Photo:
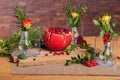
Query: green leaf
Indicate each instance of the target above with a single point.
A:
(70, 21)
(96, 22)
(72, 58)
(113, 35)
(22, 56)
(113, 25)
(77, 20)
(78, 56)
(102, 33)
(84, 8)
(26, 42)
(70, 48)
(66, 64)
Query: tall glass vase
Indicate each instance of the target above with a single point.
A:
(75, 35)
(24, 43)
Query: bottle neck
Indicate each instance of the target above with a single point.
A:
(25, 34)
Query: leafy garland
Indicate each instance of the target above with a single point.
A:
(88, 56)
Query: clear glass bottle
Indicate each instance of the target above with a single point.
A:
(24, 43)
(105, 57)
(75, 35)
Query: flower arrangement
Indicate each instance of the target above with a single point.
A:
(107, 30)
(107, 33)
(74, 14)
(25, 24)
(22, 17)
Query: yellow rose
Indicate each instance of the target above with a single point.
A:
(1, 40)
(106, 18)
(74, 14)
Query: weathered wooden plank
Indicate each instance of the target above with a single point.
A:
(42, 59)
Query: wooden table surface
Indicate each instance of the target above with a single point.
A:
(6, 67)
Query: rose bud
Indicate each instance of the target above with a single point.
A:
(106, 18)
(74, 14)
(27, 23)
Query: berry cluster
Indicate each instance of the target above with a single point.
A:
(80, 40)
(106, 38)
(54, 53)
(91, 63)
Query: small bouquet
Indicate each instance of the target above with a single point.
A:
(25, 24)
(107, 33)
(74, 14)
(107, 30)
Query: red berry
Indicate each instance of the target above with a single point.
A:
(50, 52)
(55, 53)
(96, 63)
(89, 65)
(46, 54)
(62, 53)
(58, 53)
(67, 53)
(93, 61)
(88, 61)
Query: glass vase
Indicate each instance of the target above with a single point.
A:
(105, 56)
(75, 35)
(24, 43)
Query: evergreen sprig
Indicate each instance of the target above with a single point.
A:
(20, 14)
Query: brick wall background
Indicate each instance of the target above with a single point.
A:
(47, 13)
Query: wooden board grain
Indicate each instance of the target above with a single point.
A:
(50, 58)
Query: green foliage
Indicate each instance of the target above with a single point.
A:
(22, 56)
(105, 26)
(10, 44)
(20, 14)
(70, 48)
(113, 35)
(96, 23)
(89, 55)
(80, 10)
